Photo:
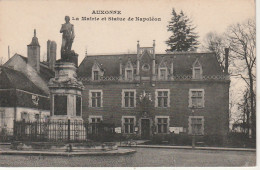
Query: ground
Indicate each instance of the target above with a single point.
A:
(144, 157)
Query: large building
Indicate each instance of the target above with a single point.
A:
(146, 93)
(142, 94)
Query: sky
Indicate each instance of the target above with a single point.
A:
(18, 19)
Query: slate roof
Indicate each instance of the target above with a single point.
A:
(45, 72)
(182, 63)
(12, 79)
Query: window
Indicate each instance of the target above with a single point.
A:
(78, 106)
(162, 98)
(97, 71)
(197, 73)
(37, 117)
(129, 70)
(60, 105)
(146, 67)
(95, 98)
(197, 70)
(96, 75)
(25, 116)
(2, 118)
(163, 74)
(128, 124)
(196, 125)
(196, 98)
(162, 123)
(95, 124)
(129, 75)
(128, 98)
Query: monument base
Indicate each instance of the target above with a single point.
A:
(69, 56)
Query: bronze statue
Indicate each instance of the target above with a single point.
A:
(68, 35)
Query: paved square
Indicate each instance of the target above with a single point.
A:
(144, 157)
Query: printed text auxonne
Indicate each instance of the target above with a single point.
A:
(106, 12)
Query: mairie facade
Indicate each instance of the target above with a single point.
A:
(146, 93)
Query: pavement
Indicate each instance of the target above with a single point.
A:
(144, 157)
(120, 151)
(189, 147)
(53, 153)
(140, 144)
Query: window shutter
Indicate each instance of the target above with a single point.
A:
(123, 98)
(169, 98)
(156, 99)
(101, 103)
(135, 98)
(203, 97)
(90, 99)
(190, 100)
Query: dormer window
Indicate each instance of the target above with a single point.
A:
(97, 72)
(129, 70)
(163, 74)
(197, 73)
(197, 70)
(162, 71)
(96, 75)
(129, 74)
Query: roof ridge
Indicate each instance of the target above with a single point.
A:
(26, 58)
(25, 76)
(114, 54)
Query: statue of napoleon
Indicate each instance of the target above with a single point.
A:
(68, 36)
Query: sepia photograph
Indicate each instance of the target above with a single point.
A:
(111, 83)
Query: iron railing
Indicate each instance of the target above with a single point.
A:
(59, 131)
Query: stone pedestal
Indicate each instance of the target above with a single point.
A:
(66, 102)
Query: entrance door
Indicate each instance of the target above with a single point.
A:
(145, 128)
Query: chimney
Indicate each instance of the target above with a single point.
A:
(33, 53)
(226, 60)
(8, 52)
(48, 50)
(120, 66)
(51, 53)
(53, 50)
(138, 47)
(86, 53)
(154, 49)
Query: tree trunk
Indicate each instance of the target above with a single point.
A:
(252, 105)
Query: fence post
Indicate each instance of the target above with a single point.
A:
(68, 130)
(14, 130)
(86, 128)
(36, 130)
(23, 128)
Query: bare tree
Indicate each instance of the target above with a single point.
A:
(241, 39)
(216, 43)
(242, 42)
(244, 118)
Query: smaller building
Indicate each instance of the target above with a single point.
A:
(20, 99)
(24, 94)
